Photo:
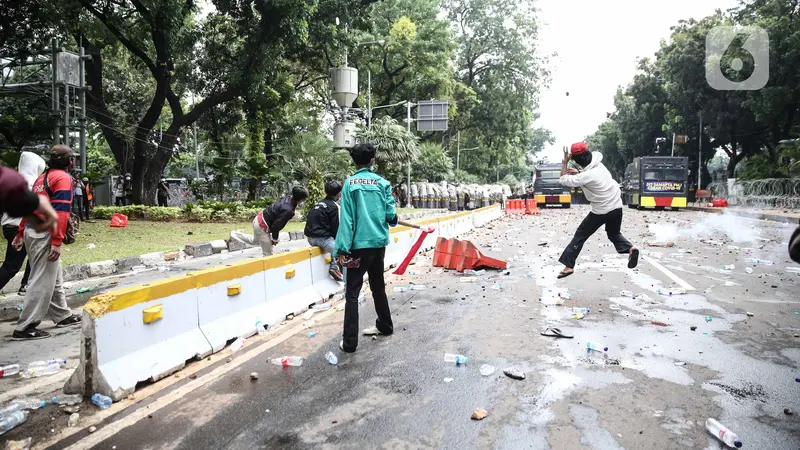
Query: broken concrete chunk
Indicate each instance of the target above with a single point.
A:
(479, 414)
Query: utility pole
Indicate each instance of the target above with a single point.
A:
(408, 173)
(458, 153)
(82, 100)
(369, 99)
(196, 153)
(56, 112)
(673, 145)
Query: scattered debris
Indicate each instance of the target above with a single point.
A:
(660, 324)
(413, 306)
(514, 373)
(289, 316)
(71, 409)
(73, 419)
(312, 334)
(479, 414)
(709, 318)
(332, 359)
(91, 246)
(486, 370)
(448, 380)
(693, 327)
(680, 363)
(661, 244)
(749, 314)
(92, 429)
(374, 337)
(23, 444)
(253, 376)
(788, 411)
(578, 316)
(237, 344)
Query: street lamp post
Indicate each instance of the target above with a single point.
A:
(369, 83)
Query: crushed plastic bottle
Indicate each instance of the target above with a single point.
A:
(312, 334)
(322, 307)
(625, 293)
(565, 296)
(581, 310)
(474, 273)
(674, 291)
(61, 362)
(458, 359)
(763, 262)
(38, 370)
(486, 370)
(748, 269)
(9, 421)
(594, 346)
(9, 370)
(728, 267)
(287, 361)
(332, 359)
(260, 328)
(101, 401)
(67, 399)
(73, 420)
(22, 404)
(722, 433)
(237, 344)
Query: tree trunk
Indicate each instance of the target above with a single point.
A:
(154, 169)
(252, 188)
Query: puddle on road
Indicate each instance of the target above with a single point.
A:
(592, 434)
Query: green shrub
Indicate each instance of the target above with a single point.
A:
(211, 212)
(140, 212)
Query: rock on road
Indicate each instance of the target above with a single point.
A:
(398, 392)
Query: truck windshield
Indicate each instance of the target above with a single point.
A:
(549, 174)
(665, 174)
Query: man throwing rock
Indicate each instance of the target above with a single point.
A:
(604, 195)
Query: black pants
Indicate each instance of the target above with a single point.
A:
(592, 222)
(371, 264)
(13, 261)
(162, 200)
(77, 205)
(120, 201)
(87, 208)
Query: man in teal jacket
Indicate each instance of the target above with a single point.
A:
(367, 210)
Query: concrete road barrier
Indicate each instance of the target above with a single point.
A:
(150, 331)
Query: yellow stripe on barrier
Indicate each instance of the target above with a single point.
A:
(214, 275)
(125, 298)
(292, 257)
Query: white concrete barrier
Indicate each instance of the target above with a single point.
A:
(149, 331)
(137, 334)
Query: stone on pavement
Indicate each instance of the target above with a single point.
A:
(199, 250)
(128, 263)
(102, 268)
(217, 246)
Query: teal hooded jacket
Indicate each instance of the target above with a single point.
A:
(366, 211)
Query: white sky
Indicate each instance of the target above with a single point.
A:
(598, 42)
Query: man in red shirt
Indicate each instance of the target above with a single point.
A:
(46, 297)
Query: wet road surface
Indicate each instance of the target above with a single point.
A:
(654, 388)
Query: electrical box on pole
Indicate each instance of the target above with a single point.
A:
(344, 134)
(344, 86)
(432, 115)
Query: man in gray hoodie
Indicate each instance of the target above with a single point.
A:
(30, 167)
(604, 195)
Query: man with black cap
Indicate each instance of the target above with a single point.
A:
(322, 224)
(604, 195)
(46, 297)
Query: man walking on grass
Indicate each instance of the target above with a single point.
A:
(322, 224)
(46, 297)
(367, 211)
(604, 195)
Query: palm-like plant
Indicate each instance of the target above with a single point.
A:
(396, 146)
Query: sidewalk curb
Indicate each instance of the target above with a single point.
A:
(748, 215)
(79, 272)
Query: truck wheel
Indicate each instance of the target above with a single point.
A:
(631, 206)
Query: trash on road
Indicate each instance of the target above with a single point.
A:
(67, 399)
(657, 350)
(9, 370)
(453, 358)
(322, 307)
(22, 404)
(9, 421)
(728, 267)
(661, 244)
(709, 318)
(555, 332)
(749, 314)
(788, 411)
(748, 269)
(486, 370)
(308, 314)
(578, 316)
(253, 376)
(91, 246)
(83, 289)
(287, 361)
(680, 363)
(660, 324)
(670, 291)
(474, 273)
(514, 373)
(23, 444)
(479, 414)
(594, 346)
(722, 433)
(41, 368)
(332, 359)
(101, 401)
(625, 293)
(448, 380)
(763, 262)
(73, 419)
(237, 344)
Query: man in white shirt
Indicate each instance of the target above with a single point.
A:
(604, 195)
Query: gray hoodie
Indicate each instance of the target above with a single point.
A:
(30, 167)
(598, 186)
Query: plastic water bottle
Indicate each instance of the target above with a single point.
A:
(67, 399)
(581, 310)
(61, 363)
(590, 346)
(101, 401)
(458, 359)
(22, 404)
(748, 269)
(260, 328)
(38, 370)
(728, 267)
(759, 261)
(9, 370)
(565, 296)
(722, 433)
(323, 307)
(676, 291)
(9, 421)
(287, 361)
(331, 358)
(626, 294)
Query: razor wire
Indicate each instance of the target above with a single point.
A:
(770, 193)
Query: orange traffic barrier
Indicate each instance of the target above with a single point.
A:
(462, 255)
(531, 211)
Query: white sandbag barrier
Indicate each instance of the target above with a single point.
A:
(148, 332)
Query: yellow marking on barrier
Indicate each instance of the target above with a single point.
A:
(125, 298)
(292, 257)
(328, 259)
(290, 272)
(153, 314)
(214, 275)
(234, 289)
(396, 239)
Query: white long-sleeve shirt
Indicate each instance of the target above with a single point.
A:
(598, 186)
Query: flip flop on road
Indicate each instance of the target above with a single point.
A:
(564, 274)
(555, 332)
(633, 258)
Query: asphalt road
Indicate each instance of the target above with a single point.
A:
(397, 392)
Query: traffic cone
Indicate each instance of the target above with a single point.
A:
(531, 211)
(462, 255)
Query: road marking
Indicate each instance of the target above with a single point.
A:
(113, 428)
(669, 273)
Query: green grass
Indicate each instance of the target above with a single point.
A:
(141, 237)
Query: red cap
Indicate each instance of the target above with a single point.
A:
(578, 148)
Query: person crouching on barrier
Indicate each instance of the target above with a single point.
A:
(604, 195)
(367, 211)
(322, 224)
(271, 221)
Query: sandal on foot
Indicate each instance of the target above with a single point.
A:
(555, 332)
(564, 274)
(633, 258)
